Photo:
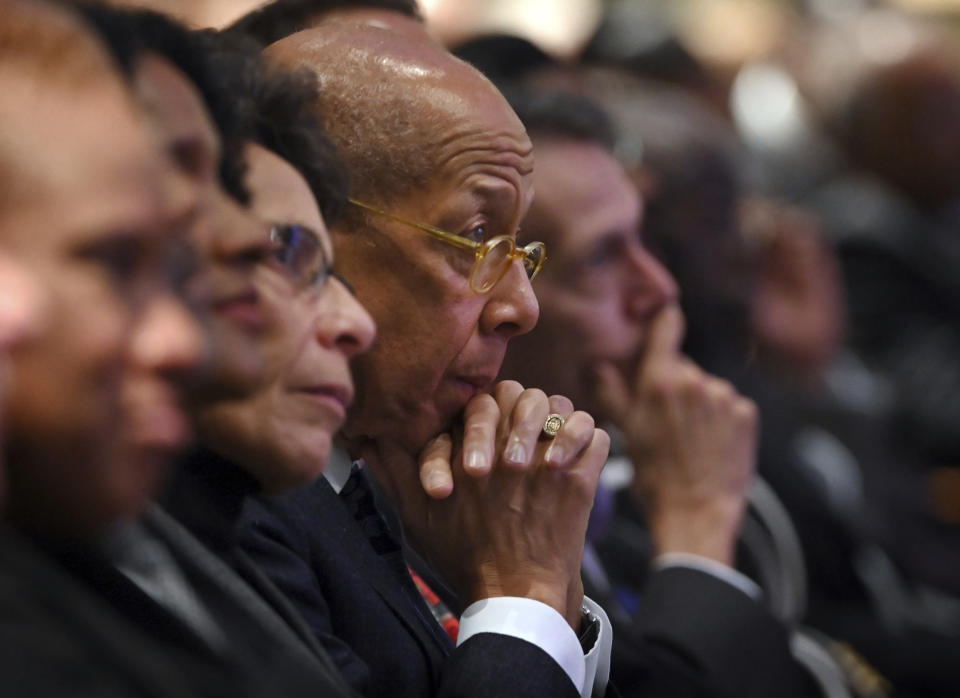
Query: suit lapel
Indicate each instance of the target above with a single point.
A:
(105, 628)
(209, 573)
(346, 534)
(251, 574)
(129, 599)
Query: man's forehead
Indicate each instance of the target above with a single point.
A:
(91, 155)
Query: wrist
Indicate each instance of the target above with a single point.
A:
(710, 536)
(549, 592)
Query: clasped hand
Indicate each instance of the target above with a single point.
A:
(497, 509)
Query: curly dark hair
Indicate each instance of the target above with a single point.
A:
(287, 122)
(282, 18)
(129, 33)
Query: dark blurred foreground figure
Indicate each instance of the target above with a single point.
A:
(130, 603)
(105, 279)
(296, 316)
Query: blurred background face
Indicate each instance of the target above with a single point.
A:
(283, 431)
(229, 239)
(91, 210)
(600, 288)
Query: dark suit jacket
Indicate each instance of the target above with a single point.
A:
(262, 657)
(380, 634)
(59, 637)
(684, 626)
(696, 635)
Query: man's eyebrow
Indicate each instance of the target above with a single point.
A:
(493, 193)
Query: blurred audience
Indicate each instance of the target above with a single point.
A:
(609, 336)
(105, 275)
(751, 272)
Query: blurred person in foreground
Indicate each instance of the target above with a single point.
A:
(21, 314)
(107, 270)
(274, 291)
(431, 146)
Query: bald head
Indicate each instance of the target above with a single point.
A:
(391, 101)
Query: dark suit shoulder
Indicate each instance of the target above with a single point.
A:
(58, 638)
(732, 640)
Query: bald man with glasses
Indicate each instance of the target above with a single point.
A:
(440, 173)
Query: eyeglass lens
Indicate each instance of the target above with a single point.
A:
(299, 250)
(497, 259)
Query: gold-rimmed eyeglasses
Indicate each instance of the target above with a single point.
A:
(492, 258)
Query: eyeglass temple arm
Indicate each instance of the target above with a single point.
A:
(429, 229)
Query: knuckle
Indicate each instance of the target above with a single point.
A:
(748, 411)
(507, 390)
(561, 404)
(482, 405)
(601, 439)
(721, 391)
(533, 396)
(724, 387)
(662, 386)
(476, 430)
(582, 420)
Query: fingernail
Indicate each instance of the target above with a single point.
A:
(476, 461)
(437, 481)
(516, 453)
(555, 454)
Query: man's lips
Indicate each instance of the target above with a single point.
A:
(162, 426)
(479, 382)
(243, 307)
(468, 386)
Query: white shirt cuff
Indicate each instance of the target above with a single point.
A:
(598, 657)
(712, 567)
(532, 621)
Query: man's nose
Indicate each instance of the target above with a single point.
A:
(169, 340)
(511, 307)
(652, 286)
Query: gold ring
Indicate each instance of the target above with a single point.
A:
(552, 425)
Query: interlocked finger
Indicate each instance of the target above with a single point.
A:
(526, 422)
(480, 422)
(572, 439)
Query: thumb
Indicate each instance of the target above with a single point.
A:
(436, 473)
